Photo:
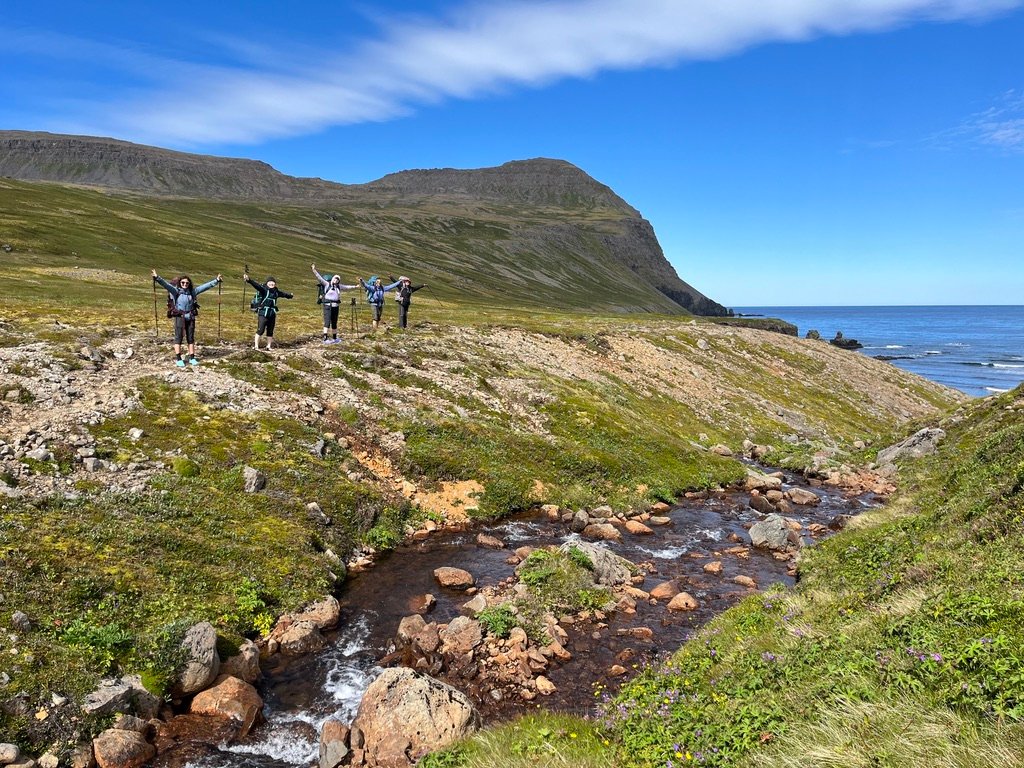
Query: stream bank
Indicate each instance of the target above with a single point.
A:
(300, 694)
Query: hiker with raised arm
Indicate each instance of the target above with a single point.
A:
(375, 290)
(403, 295)
(330, 298)
(183, 307)
(264, 304)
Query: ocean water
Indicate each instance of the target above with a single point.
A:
(979, 350)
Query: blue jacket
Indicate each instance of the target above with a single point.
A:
(185, 301)
(375, 294)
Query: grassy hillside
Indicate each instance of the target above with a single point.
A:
(506, 393)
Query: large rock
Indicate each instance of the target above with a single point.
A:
(461, 636)
(333, 744)
(761, 504)
(203, 663)
(324, 614)
(245, 665)
(803, 497)
(602, 532)
(684, 601)
(919, 444)
(231, 698)
(580, 520)
(665, 591)
(9, 754)
(637, 528)
(117, 748)
(770, 533)
(454, 578)
(253, 480)
(410, 626)
(403, 716)
(300, 638)
(758, 481)
(125, 694)
(610, 570)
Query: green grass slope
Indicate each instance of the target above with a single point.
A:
(901, 646)
(469, 252)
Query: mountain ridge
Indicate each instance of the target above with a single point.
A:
(550, 207)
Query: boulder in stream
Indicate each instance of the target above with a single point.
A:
(454, 578)
(404, 715)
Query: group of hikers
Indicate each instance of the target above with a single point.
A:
(183, 307)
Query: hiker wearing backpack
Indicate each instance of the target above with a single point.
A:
(375, 290)
(403, 295)
(330, 298)
(264, 304)
(183, 307)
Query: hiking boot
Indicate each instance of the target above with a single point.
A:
(180, 363)
(194, 361)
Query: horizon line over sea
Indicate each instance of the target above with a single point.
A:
(976, 348)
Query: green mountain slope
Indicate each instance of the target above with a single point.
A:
(537, 231)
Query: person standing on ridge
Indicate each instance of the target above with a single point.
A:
(264, 303)
(331, 301)
(182, 306)
(404, 298)
(375, 290)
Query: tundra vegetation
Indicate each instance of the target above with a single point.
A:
(530, 391)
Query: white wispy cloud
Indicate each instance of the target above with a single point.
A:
(1000, 127)
(478, 50)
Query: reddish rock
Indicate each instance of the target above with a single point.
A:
(231, 698)
(745, 581)
(803, 497)
(122, 749)
(684, 601)
(637, 528)
(454, 578)
(638, 633)
(602, 532)
(301, 638)
(324, 614)
(665, 591)
(714, 567)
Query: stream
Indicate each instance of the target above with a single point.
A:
(300, 694)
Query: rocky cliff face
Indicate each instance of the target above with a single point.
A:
(532, 182)
(572, 217)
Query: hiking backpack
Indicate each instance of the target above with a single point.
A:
(172, 306)
(320, 288)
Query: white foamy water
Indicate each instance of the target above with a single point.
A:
(518, 531)
(668, 553)
(292, 738)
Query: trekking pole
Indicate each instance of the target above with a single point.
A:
(434, 297)
(243, 288)
(156, 322)
(218, 309)
(352, 315)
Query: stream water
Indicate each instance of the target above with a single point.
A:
(300, 694)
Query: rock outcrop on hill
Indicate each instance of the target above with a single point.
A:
(543, 217)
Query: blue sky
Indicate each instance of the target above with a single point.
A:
(786, 151)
